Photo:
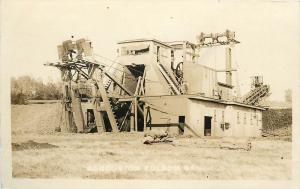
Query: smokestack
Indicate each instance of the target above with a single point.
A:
(228, 66)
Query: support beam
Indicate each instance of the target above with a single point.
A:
(117, 83)
(184, 51)
(228, 67)
(148, 115)
(99, 119)
(127, 113)
(135, 114)
(192, 130)
(165, 125)
(77, 111)
(145, 118)
(67, 112)
(91, 69)
(122, 87)
(229, 70)
(168, 79)
(137, 89)
(132, 116)
(97, 111)
(142, 89)
(111, 116)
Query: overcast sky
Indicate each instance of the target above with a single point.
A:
(268, 31)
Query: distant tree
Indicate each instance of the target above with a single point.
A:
(288, 95)
(25, 88)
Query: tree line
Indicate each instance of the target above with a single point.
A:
(25, 88)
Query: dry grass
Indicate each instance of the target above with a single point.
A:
(124, 156)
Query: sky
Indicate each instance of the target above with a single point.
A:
(268, 31)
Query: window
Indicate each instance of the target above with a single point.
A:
(172, 56)
(251, 119)
(223, 116)
(238, 117)
(245, 118)
(215, 115)
(124, 51)
(134, 50)
(141, 51)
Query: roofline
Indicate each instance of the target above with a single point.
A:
(144, 40)
(227, 102)
(225, 84)
(180, 43)
(198, 97)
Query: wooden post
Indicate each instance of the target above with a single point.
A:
(137, 86)
(135, 114)
(66, 77)
(97, 112)
(125, 117)
(228, 66)
(132, 117)
(77, 112)
(64, 108)
(123, 83)
(142, 89)
(107, 105)
(184, 51)
(68, 118)
(145, 118)
(194, 54)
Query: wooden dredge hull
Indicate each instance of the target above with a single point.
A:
(152, 85)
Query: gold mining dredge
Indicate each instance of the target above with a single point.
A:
(156, 85)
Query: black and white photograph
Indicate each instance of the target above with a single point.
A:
(144, 91)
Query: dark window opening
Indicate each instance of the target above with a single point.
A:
(136, 70)
(181, 121)
(157, 54)
(141, 51)
(91, 123)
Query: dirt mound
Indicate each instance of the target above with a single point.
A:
(30, 144)
(274, 119)
(277, 124)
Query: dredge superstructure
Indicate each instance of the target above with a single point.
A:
(154, 84)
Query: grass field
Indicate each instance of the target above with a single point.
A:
(39, 152)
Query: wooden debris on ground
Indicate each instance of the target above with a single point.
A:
(150, 138)
(247, 146)
(235, 144)
(226, 144)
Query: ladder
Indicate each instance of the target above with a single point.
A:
(172, 82)
(107, 85)
(256, 94)
(111, 104)
(108, 106)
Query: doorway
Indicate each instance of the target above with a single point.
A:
(207, 125)
(181, 120)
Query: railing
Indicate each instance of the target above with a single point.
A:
(174, 86)
(256, 94)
